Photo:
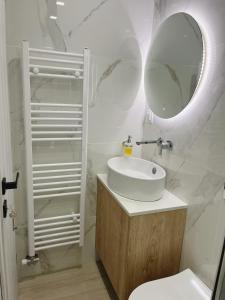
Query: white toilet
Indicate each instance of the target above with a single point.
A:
(183, 286)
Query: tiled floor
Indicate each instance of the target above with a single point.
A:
(76, 284)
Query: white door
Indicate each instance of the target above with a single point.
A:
(0, 290)
(3, 285)
(7, 234)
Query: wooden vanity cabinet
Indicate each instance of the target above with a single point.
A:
(136, 249)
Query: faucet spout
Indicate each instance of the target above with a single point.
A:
(158, 142)
(162, 145)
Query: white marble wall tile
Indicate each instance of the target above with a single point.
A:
(212, 14)
(116, 102)
(141, 15)
(203, 241)
(196, 166)
(88, 252)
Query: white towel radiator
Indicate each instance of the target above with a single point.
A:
(58, 123)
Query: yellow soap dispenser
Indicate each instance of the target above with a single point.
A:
(127, 147)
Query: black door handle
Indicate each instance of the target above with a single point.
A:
(9, 185)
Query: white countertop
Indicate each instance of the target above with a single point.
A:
(133, 208)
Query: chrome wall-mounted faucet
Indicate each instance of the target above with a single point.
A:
(162, 145)
(158, 142)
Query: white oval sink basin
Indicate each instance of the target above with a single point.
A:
(136, 178)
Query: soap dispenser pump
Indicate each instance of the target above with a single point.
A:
(127, 147)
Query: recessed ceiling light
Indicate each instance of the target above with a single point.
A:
(60, 3)
(53, 17)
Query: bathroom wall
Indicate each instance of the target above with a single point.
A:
(116, 104)
(196, 166)
(118, 33)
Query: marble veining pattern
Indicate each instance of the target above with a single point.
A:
(175, 78)
(86, 18)
(50, 28)
(196, 32)
(196, 167)
(112, 106)
(196, 170)
(108, 72)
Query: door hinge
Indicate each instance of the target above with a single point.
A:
(5, 209)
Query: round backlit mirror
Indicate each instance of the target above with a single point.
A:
(174, 65)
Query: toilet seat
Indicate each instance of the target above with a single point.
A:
(183, 286)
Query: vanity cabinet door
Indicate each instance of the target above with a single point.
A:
(112, 238)
(155, 244)
(137, 249)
